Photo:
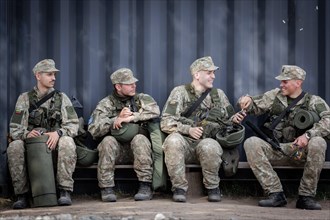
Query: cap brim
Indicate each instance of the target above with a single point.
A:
(133, 80)
(282, 78)
(213, 68)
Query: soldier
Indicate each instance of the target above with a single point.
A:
(58, 118)
(300, 147)
(120, 119)
(189, 139)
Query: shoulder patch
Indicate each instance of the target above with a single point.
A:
(320, 107)
(71, 112)
(90, 120)
(17, 116)
(171, 107)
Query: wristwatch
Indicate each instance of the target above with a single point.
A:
(60, 133)
(308, 135)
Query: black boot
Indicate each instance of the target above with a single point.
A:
(179, 195)
(108, 194)
(274, 200)
(22, 202)
(65, 198)
(307, 202)
(214, 195)
(144, 193)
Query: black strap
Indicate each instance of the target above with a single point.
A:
(287, 110)
(36, 105)
(193, 107)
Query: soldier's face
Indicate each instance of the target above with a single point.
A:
(126, 89)
(289, 87)
(46, 80)
(205, 78)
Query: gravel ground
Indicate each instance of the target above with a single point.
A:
(162, 207)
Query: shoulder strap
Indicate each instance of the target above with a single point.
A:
(193, 107)
(293, 103)
(36, 105)
(215, 96)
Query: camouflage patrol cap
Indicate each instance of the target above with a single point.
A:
(291, 72)
(123, 76)
(204, 63)
(44, 66)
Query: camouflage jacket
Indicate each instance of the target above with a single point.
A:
(179, 101)
(19, 122)
(108, 109)
(265, 104)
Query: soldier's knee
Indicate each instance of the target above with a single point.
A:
(317, 144)
(106, 143)
(15, 147)
(139, 138)
(249, 144)
(209, 144)
(67, 143)
(173, 141)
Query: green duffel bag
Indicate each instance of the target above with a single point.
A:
(41, 172)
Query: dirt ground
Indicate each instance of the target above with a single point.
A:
(162, 207)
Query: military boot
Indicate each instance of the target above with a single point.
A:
(144, 193)
(179, 195)
(214, 195)
(65, 198)
(307, 202)
(108, 194)
(22, 202)
(274, 200)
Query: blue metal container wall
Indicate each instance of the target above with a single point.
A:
(158, 40)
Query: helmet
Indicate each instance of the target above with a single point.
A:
(126, 133)
(86, 156)
(233, 136)
(305, 119)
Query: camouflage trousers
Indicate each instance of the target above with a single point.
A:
(180, 150)
(112, 152)
(66, 163)
(261, 157)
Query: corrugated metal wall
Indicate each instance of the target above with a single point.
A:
(158, 40)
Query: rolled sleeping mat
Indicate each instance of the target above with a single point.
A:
(41, 172)
(305, 119)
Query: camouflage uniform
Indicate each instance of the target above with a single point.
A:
(113, 152)
(66, 147)
(260, 154)
(179, 148)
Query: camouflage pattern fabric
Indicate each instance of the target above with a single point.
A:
(261, 156)
(65, 151)
(111, 151)
(180, 149)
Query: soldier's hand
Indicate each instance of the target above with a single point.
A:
(52, 140)
(245, 102)
(239, 117)
(33, 133)
(125, 112)
(196, 132)
(119, 120)
(301, 141)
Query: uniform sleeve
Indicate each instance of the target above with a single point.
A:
(148, 110)
(262, 103)
(19, 121)
(70, 122)
(101, 119)
(171, 114)
(321, 128)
